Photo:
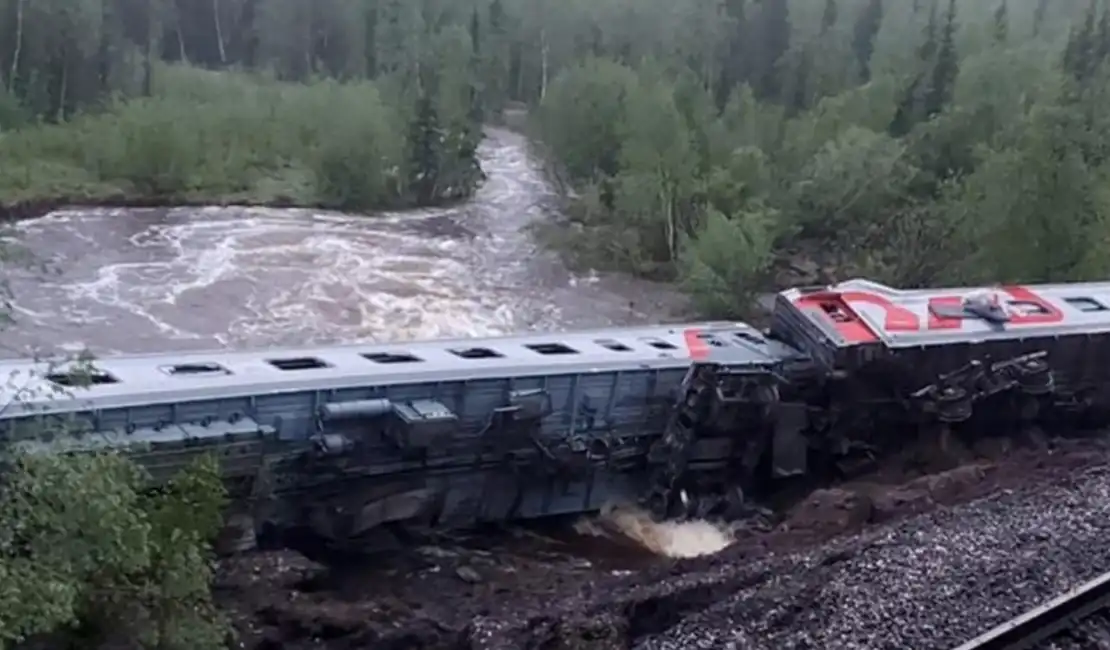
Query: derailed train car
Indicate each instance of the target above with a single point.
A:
(351, 441)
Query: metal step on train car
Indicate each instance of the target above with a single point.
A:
(348, 441)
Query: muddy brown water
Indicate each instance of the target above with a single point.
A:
(153, 280)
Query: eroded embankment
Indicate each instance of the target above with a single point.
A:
(1028, 526)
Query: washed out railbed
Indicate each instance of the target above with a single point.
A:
(1025, 528)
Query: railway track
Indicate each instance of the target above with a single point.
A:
(1079, 619)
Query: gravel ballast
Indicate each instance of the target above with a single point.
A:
(930, 582)
(933, 582)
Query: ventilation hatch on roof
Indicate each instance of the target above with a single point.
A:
(195, 369)
(391, 357)
(298, 363)
(551, 348)
(79, 378)
(476, 353)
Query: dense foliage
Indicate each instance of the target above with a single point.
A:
(90, 557)
(339, 103)
(919, 142)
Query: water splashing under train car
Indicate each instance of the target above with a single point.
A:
(670, 538)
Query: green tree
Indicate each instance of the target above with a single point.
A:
(89, 555)
(946, 66)
(1039, 17)
(725, 264)
(863, 36)
(1002, 23)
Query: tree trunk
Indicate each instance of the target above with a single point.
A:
(148, 55)
(543, 63)
(672, 227)
(219, 32)
(63, 90)
(181, 46)
(17, 51)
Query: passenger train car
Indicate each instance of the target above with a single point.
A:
(347, 441)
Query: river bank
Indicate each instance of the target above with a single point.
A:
(225, 138)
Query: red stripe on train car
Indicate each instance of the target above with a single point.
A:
(897, 318)
(699, 349)
(849, 325)
(1046, 314)
(943, 322)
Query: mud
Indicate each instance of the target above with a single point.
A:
(558, 588)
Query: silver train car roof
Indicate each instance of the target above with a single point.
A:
(122, 381)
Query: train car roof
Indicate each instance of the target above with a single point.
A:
(123, 381)
(862, 312)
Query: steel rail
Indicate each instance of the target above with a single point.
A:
(1047, 620)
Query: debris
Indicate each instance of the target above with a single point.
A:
(467, 574)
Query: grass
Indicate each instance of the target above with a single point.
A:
(217, 137)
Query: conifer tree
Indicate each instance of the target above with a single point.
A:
(1001, 23)
(1081, 51)
(774, 29)
(736, 66)
(863, 36)
(1038, 17)
(828, 17)
(946, 66)
(915, 101)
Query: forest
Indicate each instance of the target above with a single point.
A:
(728, 145)
(915, 142)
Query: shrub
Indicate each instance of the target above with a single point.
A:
(221, 137)
(88, 554)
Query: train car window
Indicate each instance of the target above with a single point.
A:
(1083, 303)
(835, 312)
(711, 339)
(1026, 307)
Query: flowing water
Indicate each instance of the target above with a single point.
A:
(149, 280)
(155, 280)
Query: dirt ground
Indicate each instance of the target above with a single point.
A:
(554, 588)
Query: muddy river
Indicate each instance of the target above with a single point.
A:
(147, 280)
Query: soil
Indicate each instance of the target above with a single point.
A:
(550, 588)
